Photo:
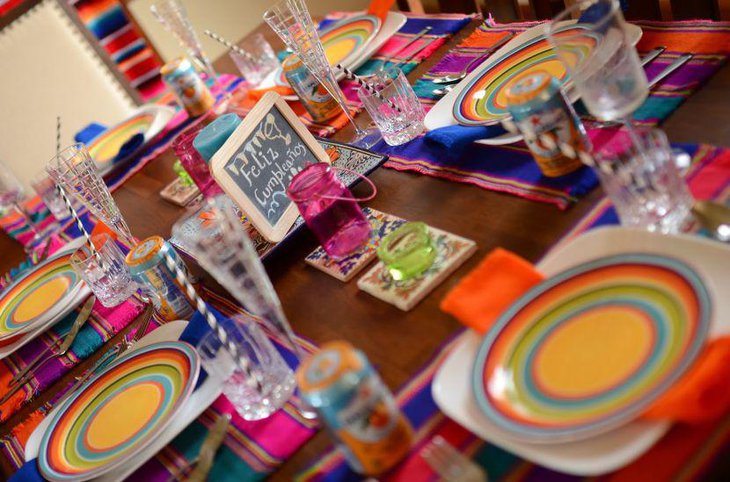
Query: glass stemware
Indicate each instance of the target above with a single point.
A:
(224, 249)
(74, 170)
(292, 22)
(11, 197)
(174, 18)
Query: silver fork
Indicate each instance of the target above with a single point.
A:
(450, 464)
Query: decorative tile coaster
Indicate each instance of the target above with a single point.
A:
(179, 194)
(347, 268)
(453, 250)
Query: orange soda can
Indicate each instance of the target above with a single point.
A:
(356, 407)
(189, 88)
(540, 110)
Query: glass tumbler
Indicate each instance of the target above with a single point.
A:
(193, 163)
(600, 58)
(268, 365)
(260, 61)
(330, 210)
(638, 172)
(45, 187)
(107, 276)
(396, 109)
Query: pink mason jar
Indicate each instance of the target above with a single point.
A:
(193, 163)
(330, 210)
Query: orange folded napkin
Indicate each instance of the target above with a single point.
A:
(499, 280)
(380, 8)
(256, 94)
(700, 395)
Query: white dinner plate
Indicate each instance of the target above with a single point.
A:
(75, 297)
(441, 115)
(160, 116)
(452, 389)
(198, 402)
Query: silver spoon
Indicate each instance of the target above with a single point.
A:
(451, 78)
(442, 91)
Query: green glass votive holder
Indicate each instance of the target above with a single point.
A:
(408, 251)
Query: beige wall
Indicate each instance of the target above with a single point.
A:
(232, 19)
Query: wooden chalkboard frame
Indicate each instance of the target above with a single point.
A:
(270, 101)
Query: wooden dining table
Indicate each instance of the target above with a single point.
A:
(322, 308)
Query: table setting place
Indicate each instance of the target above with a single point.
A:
(185, 354)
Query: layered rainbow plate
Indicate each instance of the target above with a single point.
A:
(118, 412)
(45, 290)
(345, 40)
(106, 146)
(483, 100)
(592, 348)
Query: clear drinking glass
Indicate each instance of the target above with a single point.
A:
(291, 21)
(277, 379)
(638, 172)
(397, 127)
(174, 18)
(45, 187)
(107, 275)
(11, 198)
(260, 61)
(224, 250)
(600, 58)
(74, 170)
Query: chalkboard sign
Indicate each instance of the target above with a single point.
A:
(257, 163)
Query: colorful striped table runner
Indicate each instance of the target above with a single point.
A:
(685, 453)
(510, 169)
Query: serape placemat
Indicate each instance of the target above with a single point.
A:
(511, 169)
(250, 450)
(686, 452)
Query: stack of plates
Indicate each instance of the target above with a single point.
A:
(563, 375)
(38, 299)
(479, 99)
(148, 120)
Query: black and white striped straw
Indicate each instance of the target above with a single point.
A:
(67, 201)
(252, 377)
(228, 44)
(361, 82)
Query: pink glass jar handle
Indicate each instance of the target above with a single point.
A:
(364, 178)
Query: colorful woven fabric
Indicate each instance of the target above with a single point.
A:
(249, 452)
(101, 326)
(15, 225)
(684, 453)
(511, 169)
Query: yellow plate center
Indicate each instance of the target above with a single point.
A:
(123, 416)
(593, 352)
(41, 300)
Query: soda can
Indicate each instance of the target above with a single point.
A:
(314, 97)
(356, 407)
(542, 114)
(189, 88)
(146, 263)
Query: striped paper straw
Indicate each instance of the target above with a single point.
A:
(252, 377)
(361, 82)
(230, 45)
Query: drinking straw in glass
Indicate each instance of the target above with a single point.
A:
(45, 187)
(11, 197)
(74, 170)
(224, 249)
(292, 22)
(174, 18)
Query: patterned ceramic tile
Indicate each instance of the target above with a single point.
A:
(453, 250)
(346, 268)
